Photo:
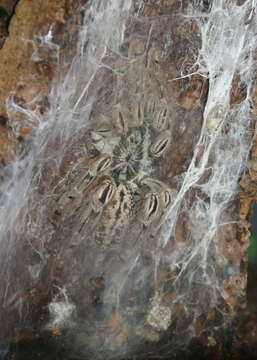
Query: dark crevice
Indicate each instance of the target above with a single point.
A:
(12, 11)
(6, 15)
(252, 262)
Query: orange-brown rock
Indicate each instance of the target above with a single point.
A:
(26, 68)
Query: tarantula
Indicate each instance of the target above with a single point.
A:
(124, 166)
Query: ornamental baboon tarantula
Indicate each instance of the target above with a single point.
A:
(123, 161)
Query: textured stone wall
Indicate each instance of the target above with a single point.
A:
(75, 260)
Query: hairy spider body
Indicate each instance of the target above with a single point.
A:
(127, 156)
(132, 154)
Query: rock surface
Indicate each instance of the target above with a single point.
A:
(91, 279)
